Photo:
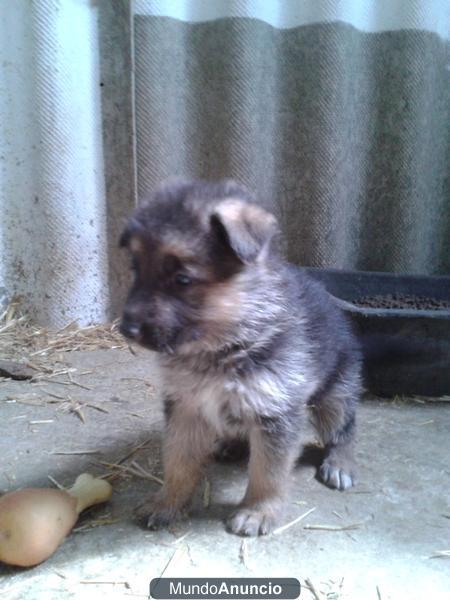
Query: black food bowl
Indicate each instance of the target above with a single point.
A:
(408, 315)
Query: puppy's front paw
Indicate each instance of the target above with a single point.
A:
(157, 513)
(251, 522)
(340, 476)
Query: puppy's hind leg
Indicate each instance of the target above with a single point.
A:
(334, 416)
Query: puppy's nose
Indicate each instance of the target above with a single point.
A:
(129, 328)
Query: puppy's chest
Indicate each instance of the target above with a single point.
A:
(227, 402)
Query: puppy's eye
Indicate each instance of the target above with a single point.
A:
(182, 279)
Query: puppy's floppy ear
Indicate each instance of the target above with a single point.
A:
(246, 228)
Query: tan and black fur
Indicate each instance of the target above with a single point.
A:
(246, 346)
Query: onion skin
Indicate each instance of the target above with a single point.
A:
(33, 523)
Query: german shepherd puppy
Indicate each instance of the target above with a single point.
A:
(244, 345)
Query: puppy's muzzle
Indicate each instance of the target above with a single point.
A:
(145, 333)
(130, 328)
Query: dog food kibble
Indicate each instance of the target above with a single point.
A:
(402, 301)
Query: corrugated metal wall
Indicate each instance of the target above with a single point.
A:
(336, 114)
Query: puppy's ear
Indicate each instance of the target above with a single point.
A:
(246, 228)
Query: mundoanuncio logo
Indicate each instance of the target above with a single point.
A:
(221, 588)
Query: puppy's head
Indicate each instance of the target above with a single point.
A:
(191, 247)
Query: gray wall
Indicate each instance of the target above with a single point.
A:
(337, 117)
(344, 134)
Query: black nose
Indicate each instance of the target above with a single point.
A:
(129, 328)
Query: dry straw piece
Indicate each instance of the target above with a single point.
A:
(294, 522)
(23, 341)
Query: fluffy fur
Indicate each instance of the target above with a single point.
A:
(246, 345)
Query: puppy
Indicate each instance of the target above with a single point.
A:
(245, 345)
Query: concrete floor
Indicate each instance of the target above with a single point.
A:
(401, 503)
